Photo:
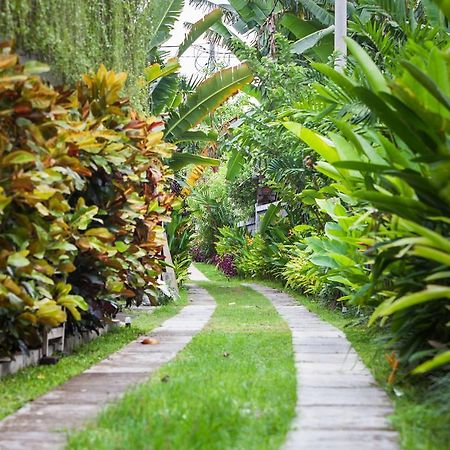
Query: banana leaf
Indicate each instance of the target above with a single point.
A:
(198, 28)
(235, 164)
(180, 160)
(208, 96)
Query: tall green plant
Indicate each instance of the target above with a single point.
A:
(400, 168)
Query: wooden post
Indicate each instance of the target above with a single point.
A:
(340, 23)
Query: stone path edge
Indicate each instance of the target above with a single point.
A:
(339, 405)
(43, 424)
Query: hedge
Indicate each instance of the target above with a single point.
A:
(84, 193)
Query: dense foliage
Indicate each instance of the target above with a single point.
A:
(73, 37)
(365, 209)
(84, 193)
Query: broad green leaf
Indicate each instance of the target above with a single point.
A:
(84, 217)
(445, 7)
(346, 83)
(372, 72)
(156, 71)
(269, 217)
(428, 83)
(18, 259)
(165, 15)
(432, 292)
(182, 159)
(433, 254)
(404, 207)
(235, 164)
(197, 136)
(304, 44)
(321, 14)
(438, 361)
(317, 142)
(362, 166)
(437, 239)
(208, 96)
(198, 28)
(298, 26)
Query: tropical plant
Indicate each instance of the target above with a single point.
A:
(83, 191)
(399, 168)
(179, 237)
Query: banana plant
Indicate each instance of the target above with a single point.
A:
(185, 113)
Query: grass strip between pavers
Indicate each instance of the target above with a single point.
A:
(422, 415)
(32, 382)
(232, 387)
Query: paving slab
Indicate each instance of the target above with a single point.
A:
(195, 274)
(43, 424)
(339, 405)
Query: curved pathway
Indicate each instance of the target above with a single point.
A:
(41, 424)
(339, 406)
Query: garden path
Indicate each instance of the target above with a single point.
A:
(43, 423)
(339, 405)
(196, 275)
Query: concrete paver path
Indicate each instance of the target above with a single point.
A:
(41, 424)
(196, 275)
(339, 406)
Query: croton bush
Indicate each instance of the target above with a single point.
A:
(84, 194)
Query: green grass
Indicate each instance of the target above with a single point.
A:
(212, 273)
(32, 382)
(232, 387)
(422, 413)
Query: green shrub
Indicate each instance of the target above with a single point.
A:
(82, 198)
(398, 169)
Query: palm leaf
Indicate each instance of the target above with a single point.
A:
(208, 96)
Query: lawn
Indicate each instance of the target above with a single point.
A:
(32, 382)
(232, 387)
(422, 413)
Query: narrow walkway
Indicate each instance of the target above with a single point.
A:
(339, 406)
(196, 275)
(42, 424)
